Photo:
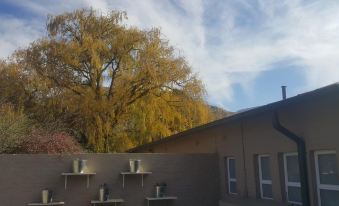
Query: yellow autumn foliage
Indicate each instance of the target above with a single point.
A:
(114, 86)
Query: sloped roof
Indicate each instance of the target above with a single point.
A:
(304, 97)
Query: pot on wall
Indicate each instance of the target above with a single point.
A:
(160, 190)
(76, 165)
(83, 166)
(46, 196)
(103, 192)
(135, 166)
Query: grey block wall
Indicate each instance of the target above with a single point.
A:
(193, 178)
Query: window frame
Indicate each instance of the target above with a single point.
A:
(262, 181)
(319, 185)
(287, 183)
(229, 179)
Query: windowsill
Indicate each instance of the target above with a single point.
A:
(233, 194)
(229, 201)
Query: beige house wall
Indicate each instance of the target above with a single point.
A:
(316, 121)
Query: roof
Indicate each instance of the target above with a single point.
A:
(324, 91)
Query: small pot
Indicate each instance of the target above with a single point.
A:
(158, 191)
(44, 196)
(131, 166)
(135, 166)
(50, 196)
(76, 166)
(83, 166)
(101, 194)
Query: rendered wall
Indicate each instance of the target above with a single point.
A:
(193, 178)
(315, 120)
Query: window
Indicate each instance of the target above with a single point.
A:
(231, 176)
(327, 178)
(292, 178)
(265, 178)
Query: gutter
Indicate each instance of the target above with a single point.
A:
(324, 92)
(302, 157)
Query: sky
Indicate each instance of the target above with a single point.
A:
(243, 50)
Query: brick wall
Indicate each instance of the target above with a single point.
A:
(193, 178)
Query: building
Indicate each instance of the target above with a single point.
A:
(283, 153)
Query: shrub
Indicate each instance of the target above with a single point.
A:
(46, 142)
(18, 134)
(14, 126)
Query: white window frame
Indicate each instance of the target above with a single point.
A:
(287, 183)
(261, 181)
(322, 186)
(229, 179)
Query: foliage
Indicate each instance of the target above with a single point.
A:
(113, 86)
(12, 88)
(219, 113)
(19, 134)
(154, 118)
(47, 142)
(14, 126)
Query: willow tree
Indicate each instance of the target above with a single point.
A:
(100, 72)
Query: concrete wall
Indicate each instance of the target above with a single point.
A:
(315, 120)
(200, 142)
(193, 178)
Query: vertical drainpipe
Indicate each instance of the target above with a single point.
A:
(302, 157)
(244, 157)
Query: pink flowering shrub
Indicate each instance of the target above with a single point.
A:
(43, 142)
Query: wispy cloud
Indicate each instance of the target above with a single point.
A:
(15, 33)
(226, 42)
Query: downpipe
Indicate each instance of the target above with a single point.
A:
(302, 157)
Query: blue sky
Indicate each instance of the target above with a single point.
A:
(243, 50)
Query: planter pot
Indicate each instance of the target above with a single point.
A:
(44, 196)
(160, 191)
(76, 166)
(135, 166)
(83, 166)
(101, 194)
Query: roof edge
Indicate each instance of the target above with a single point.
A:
(237, 116)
